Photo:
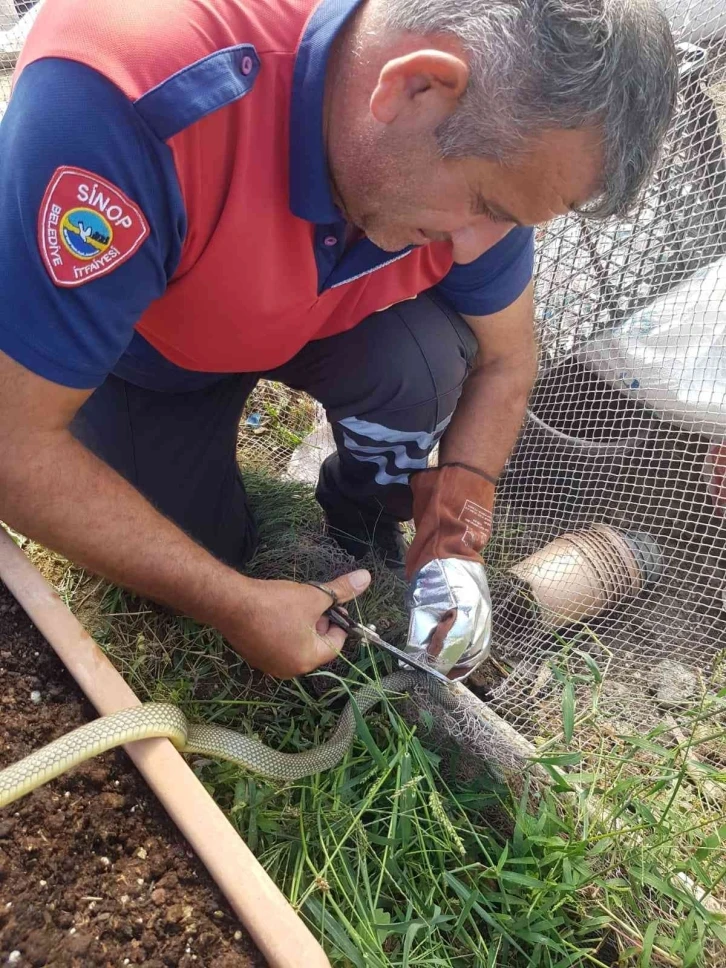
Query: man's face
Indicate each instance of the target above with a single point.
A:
(403, 194)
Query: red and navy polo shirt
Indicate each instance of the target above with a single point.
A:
(166, 211)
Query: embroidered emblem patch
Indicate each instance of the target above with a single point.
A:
(86, 227)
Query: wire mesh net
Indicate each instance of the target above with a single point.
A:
(625, 438)
(16, 19)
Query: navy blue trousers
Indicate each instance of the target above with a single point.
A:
(389, 388)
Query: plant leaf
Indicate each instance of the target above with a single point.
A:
(568, 711)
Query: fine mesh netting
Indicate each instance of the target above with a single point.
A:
(624, 446)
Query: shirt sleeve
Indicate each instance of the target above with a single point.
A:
(494, 280)
(92, 222)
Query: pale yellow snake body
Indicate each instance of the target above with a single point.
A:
(151, 720)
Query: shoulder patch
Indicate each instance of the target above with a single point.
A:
(87, 227)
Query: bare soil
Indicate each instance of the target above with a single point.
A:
(92, 872)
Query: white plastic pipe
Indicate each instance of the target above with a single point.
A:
(275, 927)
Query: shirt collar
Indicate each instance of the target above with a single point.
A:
(311, 197)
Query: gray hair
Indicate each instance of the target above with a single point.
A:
(539, 64)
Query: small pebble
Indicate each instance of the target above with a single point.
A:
(42, 883)
(238, 936)
(35, 696)
(71, 930)
(218, 914)
(14, 957)
(105, 861)
(126, 961)
(139, 880)
(141, 852)
(36, 654)
(8, 905)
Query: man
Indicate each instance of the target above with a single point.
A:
(336, 195)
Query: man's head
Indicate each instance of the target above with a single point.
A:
(456, 119)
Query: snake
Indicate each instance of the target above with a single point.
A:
(502, 749)
(155, 720)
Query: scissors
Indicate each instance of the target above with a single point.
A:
(339, 617)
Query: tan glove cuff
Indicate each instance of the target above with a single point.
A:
(452, 511)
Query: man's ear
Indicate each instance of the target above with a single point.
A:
(419, 90)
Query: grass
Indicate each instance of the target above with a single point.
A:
(405, 855)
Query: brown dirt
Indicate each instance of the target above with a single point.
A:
(92, 872)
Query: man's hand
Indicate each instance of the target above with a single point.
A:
(281, 628)
(451, 615)
(449, 595)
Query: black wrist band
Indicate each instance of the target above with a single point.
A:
(474, 470)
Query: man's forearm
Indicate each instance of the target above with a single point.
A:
(488, 418)
(54, 490)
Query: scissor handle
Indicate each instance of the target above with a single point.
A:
(339, 617)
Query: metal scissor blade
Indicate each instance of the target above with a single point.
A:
(402, 656)
(344, 621)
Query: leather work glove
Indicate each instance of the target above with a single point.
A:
(448, 593)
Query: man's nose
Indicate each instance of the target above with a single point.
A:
(469, 242)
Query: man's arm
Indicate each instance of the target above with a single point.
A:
(489, 415)
(61, 335)
(449, 596)
(56, 491)
(452, 505)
